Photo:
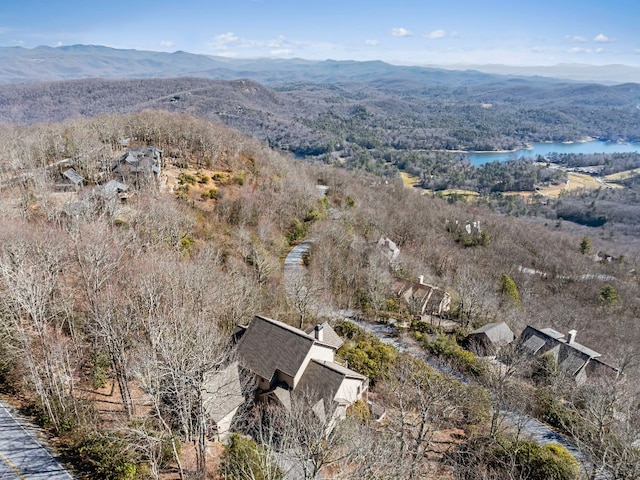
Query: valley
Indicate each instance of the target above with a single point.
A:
(150, 223)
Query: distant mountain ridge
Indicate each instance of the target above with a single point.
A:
(23, 65)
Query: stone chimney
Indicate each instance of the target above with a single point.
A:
(572, 336)
(421, 279)
(318, 334)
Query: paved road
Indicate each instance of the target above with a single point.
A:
(536, 430)
(22, 457)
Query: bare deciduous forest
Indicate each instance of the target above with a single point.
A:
(115, 308)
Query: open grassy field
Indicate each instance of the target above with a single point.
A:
(409, 180)
(614, 177)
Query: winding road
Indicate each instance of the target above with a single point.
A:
(22, 456)
(537, 431)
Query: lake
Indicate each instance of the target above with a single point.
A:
(596, 146)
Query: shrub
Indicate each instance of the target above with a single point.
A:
(536, 462)
(359, 410)
(202, 178)
(245, 459)
(210, 194)
(447, 349)
(608, 295)
(106, 455)
(509, 289)
(187, 179)
(364, 353)
(297, 231)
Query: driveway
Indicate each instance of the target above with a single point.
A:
(22, 456)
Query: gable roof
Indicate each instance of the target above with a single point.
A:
(74, 176)
(222, 392)
(330, 337)
(572, 357)
(430, 299)
(269, 345)
(497, 332)
(321, 380)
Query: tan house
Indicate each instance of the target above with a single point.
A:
(291, 364)
(422, 298)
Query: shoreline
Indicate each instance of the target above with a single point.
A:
(526, 147)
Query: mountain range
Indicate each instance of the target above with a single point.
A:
(18, 65)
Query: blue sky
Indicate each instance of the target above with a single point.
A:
(419, 32)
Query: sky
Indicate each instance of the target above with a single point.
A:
(403, 32)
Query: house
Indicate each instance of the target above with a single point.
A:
(74, 177)
(488, 339)
(113, 189)
(291, 364)
(222, 397)
(422, 298)
(388, 248)
(573, 358)
(138, 165)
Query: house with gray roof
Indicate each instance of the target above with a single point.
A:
(222, 397)
(488, 339)
(74, 177)
(138, 165)
(291, 364)
(573, 358)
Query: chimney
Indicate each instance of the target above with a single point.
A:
(421, 279)
(572, 336)
(318, 333)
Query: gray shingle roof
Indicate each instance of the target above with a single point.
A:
(498, 332)
(330, 337)
(319, 382)
(571, 356)
(269, 345)
(74, 176)
(222, 392)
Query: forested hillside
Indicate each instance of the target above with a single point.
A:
(139, 294)
(360, 123)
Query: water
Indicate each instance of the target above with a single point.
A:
(547, 148)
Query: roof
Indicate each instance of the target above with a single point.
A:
(74, 176)
(269, 345)
(222, 392)
(329, 335)
(552, 333)
(497, 332)
(141, 160)
(570, 355)
(431, 299)
(321, 380)
(113, 187)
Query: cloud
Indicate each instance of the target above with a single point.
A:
(436, 34)
(580, 50)
(281, 52)
(637, 51)
(229, 44)
(226, 39)
(575, 38)
(454, 34)
(602, 38)
(166, 43)
(372, 43)
(400, 32)
(599, 50)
